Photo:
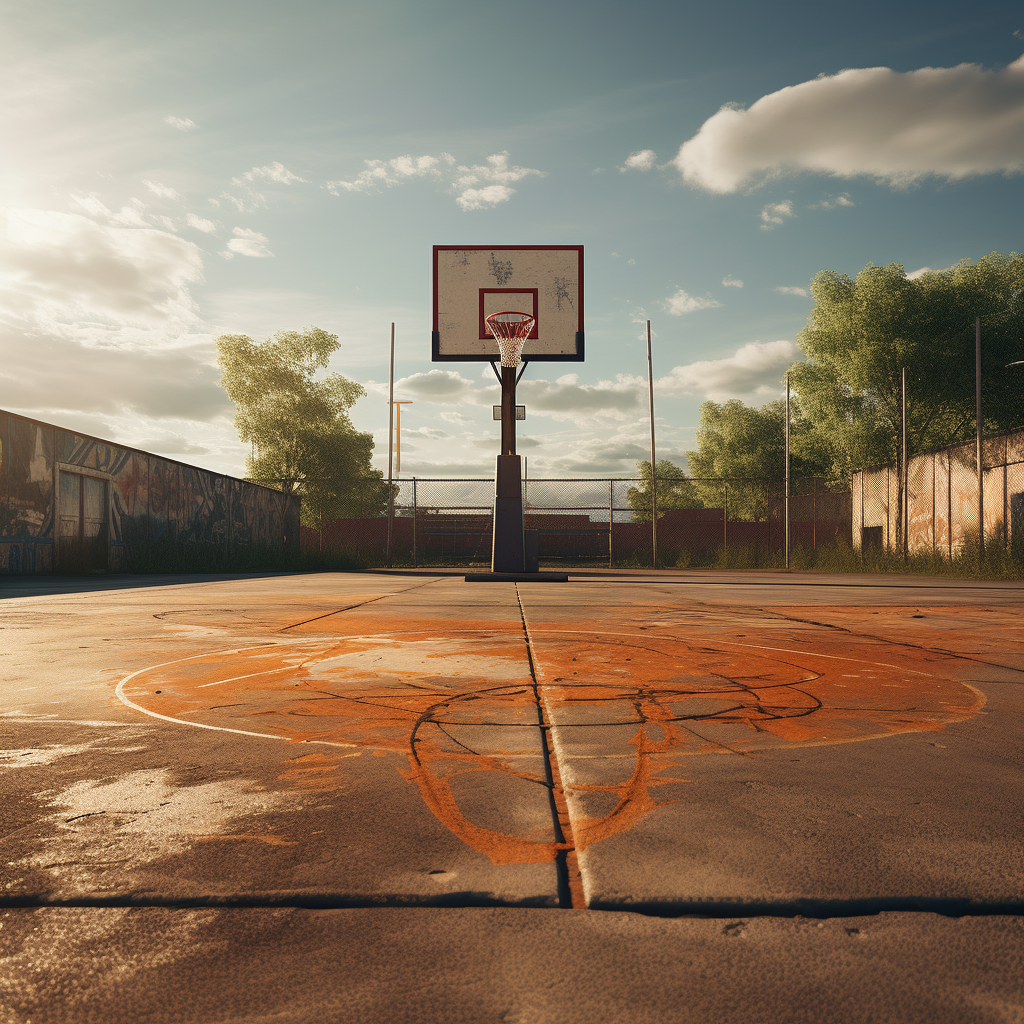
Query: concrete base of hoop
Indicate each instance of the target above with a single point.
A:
(517, 577)
(508, 554)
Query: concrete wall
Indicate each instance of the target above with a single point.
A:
(942, 498)
(149, 503)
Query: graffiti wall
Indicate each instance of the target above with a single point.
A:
(70, 502)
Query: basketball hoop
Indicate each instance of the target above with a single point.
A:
(510, 330)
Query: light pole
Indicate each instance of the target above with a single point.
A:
(398, 433)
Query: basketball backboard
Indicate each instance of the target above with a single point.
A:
(473, 281)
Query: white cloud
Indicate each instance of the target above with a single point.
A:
(97, 320)
(831, 202)
(130, 215)
(59, 268)
(791, 289)
(897, 127)
(183, 124)
(201, 224)
(248, 243)
(250, 197)
(921, 271)
(475, 186)
(482, 198)
(163, 191)
(731, 282)
(562, 399)
(774, 214)
(752, 372)
(641, 160)
(91, 205)
(681, 303)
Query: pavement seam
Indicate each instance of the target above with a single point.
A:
(883, 640)
(822, 909)
(570, 885)
(358, 604)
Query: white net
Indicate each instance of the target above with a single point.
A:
(511, 331)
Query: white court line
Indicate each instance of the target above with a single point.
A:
(119, 691)
(251, 675)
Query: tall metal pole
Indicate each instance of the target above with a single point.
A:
(979, 425)
(391, 445)
(654, 463)
(786, 499)
(611, 526)
(904, 474)
(398, 433)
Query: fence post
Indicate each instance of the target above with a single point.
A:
(415, 516)
(814, 514)
(725, 518)
(611, 530)
(862, 515)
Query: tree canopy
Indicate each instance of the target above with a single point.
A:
(862, 331)
(302, 438)
(675, 490)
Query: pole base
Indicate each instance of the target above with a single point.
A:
(507, 550)
(517, 577)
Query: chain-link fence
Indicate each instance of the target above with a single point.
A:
(597, 521)
(939, 501)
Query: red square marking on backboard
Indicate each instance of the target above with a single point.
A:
(486, 334)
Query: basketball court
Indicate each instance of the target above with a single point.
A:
(673, 785)
(515, 797)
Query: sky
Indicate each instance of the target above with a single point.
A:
(173, 172)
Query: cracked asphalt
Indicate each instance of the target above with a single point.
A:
(680, 796)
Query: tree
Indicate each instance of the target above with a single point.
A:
(675, 490)
(862, 332)
(302, 438)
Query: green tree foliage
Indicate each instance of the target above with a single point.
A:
(302, 438)
(747, 447)
(675, 490)
(737, 441)
(861, 332)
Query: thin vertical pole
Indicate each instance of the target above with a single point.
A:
(979, 426)
(949, 505)
(934, 535)
(391, 444)
(611, 531)
(904, 469)
(415, 516)
(654, 463)
(398, 439)
(862, 515)
(814, 514)
(725, 517)
(787, 472)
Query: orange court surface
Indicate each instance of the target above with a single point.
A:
(398, 796)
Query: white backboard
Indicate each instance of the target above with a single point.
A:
(473, 281)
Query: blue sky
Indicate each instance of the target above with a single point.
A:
(173, 172)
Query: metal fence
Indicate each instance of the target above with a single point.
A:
(940, 501)
(597, 521)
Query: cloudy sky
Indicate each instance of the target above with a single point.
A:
(171, 172)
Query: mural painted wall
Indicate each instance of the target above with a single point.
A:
(70, 502)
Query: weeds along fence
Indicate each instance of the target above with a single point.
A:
(945, 512)
(598, 521)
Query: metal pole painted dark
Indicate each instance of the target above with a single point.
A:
(654, 463)
(979, 426)
(391, 444)
(904, 474)
(786, 500)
